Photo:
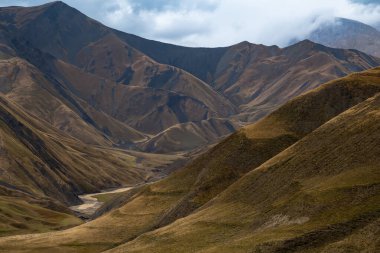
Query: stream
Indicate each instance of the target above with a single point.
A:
(91, 204)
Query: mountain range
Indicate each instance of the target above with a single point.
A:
(304, 178)
(246, 148)
(152, 96)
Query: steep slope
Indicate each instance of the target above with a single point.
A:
(22, 216)
(243, 82)
(89, 60)
(222, 170)
(25, 85)
(113, 55)
(43, 97)
(45, 160)
(201, 62)
(98, 50)
(257, 143)
(313, 197)
(99, 110)
(347, 33)
(43, 170)
(58, 25)
(141, 105)
(115, 60)
(259, 78)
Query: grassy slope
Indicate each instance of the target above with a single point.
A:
(321, 194)
(47, 156)
(17, 216)
(25, 85)
(184, 191)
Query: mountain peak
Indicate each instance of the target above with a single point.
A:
(244, 43)
(304, 44)
(56, 3)
(57, 6)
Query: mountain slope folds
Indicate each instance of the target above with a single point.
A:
(43, 170)
(254, 183)
(97, 67)
(315, 196)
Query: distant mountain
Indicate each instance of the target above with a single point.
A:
(349, 34)
(377, 26)
(257, 78)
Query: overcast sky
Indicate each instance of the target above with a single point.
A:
(220, 22)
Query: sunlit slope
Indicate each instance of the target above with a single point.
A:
(17, 216)
(319, 195)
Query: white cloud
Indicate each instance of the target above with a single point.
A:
(222, 22)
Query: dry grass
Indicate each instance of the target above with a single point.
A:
(253, 191)
(325, 188)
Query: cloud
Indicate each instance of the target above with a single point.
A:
(221, 22)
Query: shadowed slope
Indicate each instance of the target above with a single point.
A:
(149, 109)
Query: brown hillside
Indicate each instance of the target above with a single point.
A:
(319, 195)
(223, 171)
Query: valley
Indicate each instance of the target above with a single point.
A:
(110, 142)
(92, 201)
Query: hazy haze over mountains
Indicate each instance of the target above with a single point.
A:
(345, 33)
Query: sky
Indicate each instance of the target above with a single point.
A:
(214, 23)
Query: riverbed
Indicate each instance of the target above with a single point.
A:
(91, 204)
